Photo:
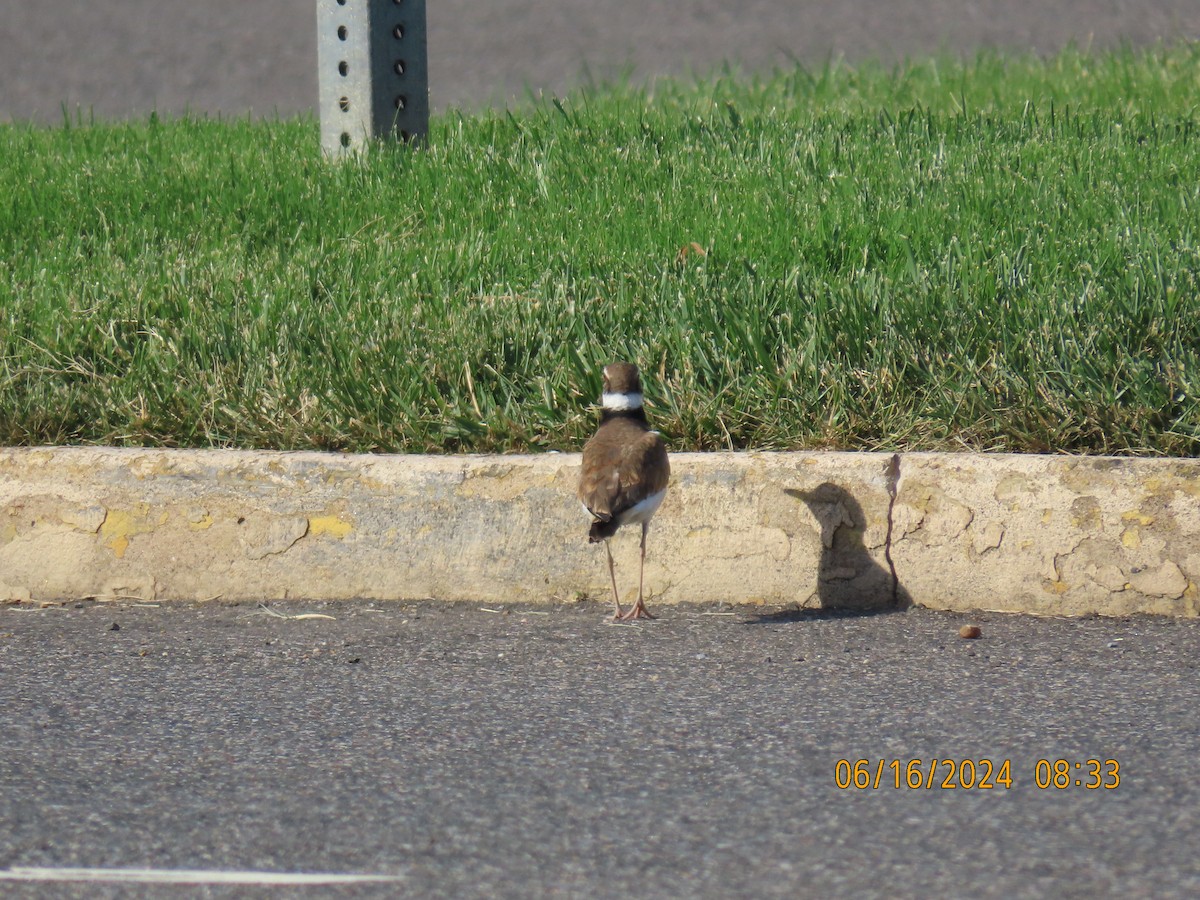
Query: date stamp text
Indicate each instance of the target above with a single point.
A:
(975, 774)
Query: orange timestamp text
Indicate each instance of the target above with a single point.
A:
(973, 774)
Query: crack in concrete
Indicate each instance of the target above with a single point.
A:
(892, 473)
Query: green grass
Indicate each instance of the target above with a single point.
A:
(997, 254)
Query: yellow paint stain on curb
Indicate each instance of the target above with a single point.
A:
(120, 525)
(1135, 516)
(1131, 537)
(330, 525)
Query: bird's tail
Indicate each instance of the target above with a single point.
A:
(602, 530)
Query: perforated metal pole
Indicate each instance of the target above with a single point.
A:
(374, 74)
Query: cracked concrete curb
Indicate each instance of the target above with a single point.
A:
(1036, 534)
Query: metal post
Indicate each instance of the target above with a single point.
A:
(373, 72)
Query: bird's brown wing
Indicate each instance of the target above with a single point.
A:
(645, 470)
(618, 475)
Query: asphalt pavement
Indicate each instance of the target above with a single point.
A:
(120, 58)
(477, 751)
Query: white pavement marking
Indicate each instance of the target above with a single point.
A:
(185, 876)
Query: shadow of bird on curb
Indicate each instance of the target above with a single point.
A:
(850, 582)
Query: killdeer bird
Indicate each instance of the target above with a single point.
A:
(625, 472)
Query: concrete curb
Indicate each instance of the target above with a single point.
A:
(1036, 534)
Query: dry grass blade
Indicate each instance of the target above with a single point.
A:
(263, 609)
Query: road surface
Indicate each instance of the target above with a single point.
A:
(540, 751)
(120, 58)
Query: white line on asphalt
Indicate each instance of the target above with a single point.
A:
(185, 876)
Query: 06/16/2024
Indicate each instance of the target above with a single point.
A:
(974, 774)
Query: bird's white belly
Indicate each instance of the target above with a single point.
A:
(643, 510)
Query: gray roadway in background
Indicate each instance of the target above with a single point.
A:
(542, 752)
(127, 57)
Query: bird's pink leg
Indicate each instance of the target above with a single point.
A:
(638, 610)
(620, 613)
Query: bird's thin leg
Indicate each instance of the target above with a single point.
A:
(620, 613)
(639, 611)
(642, 565)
